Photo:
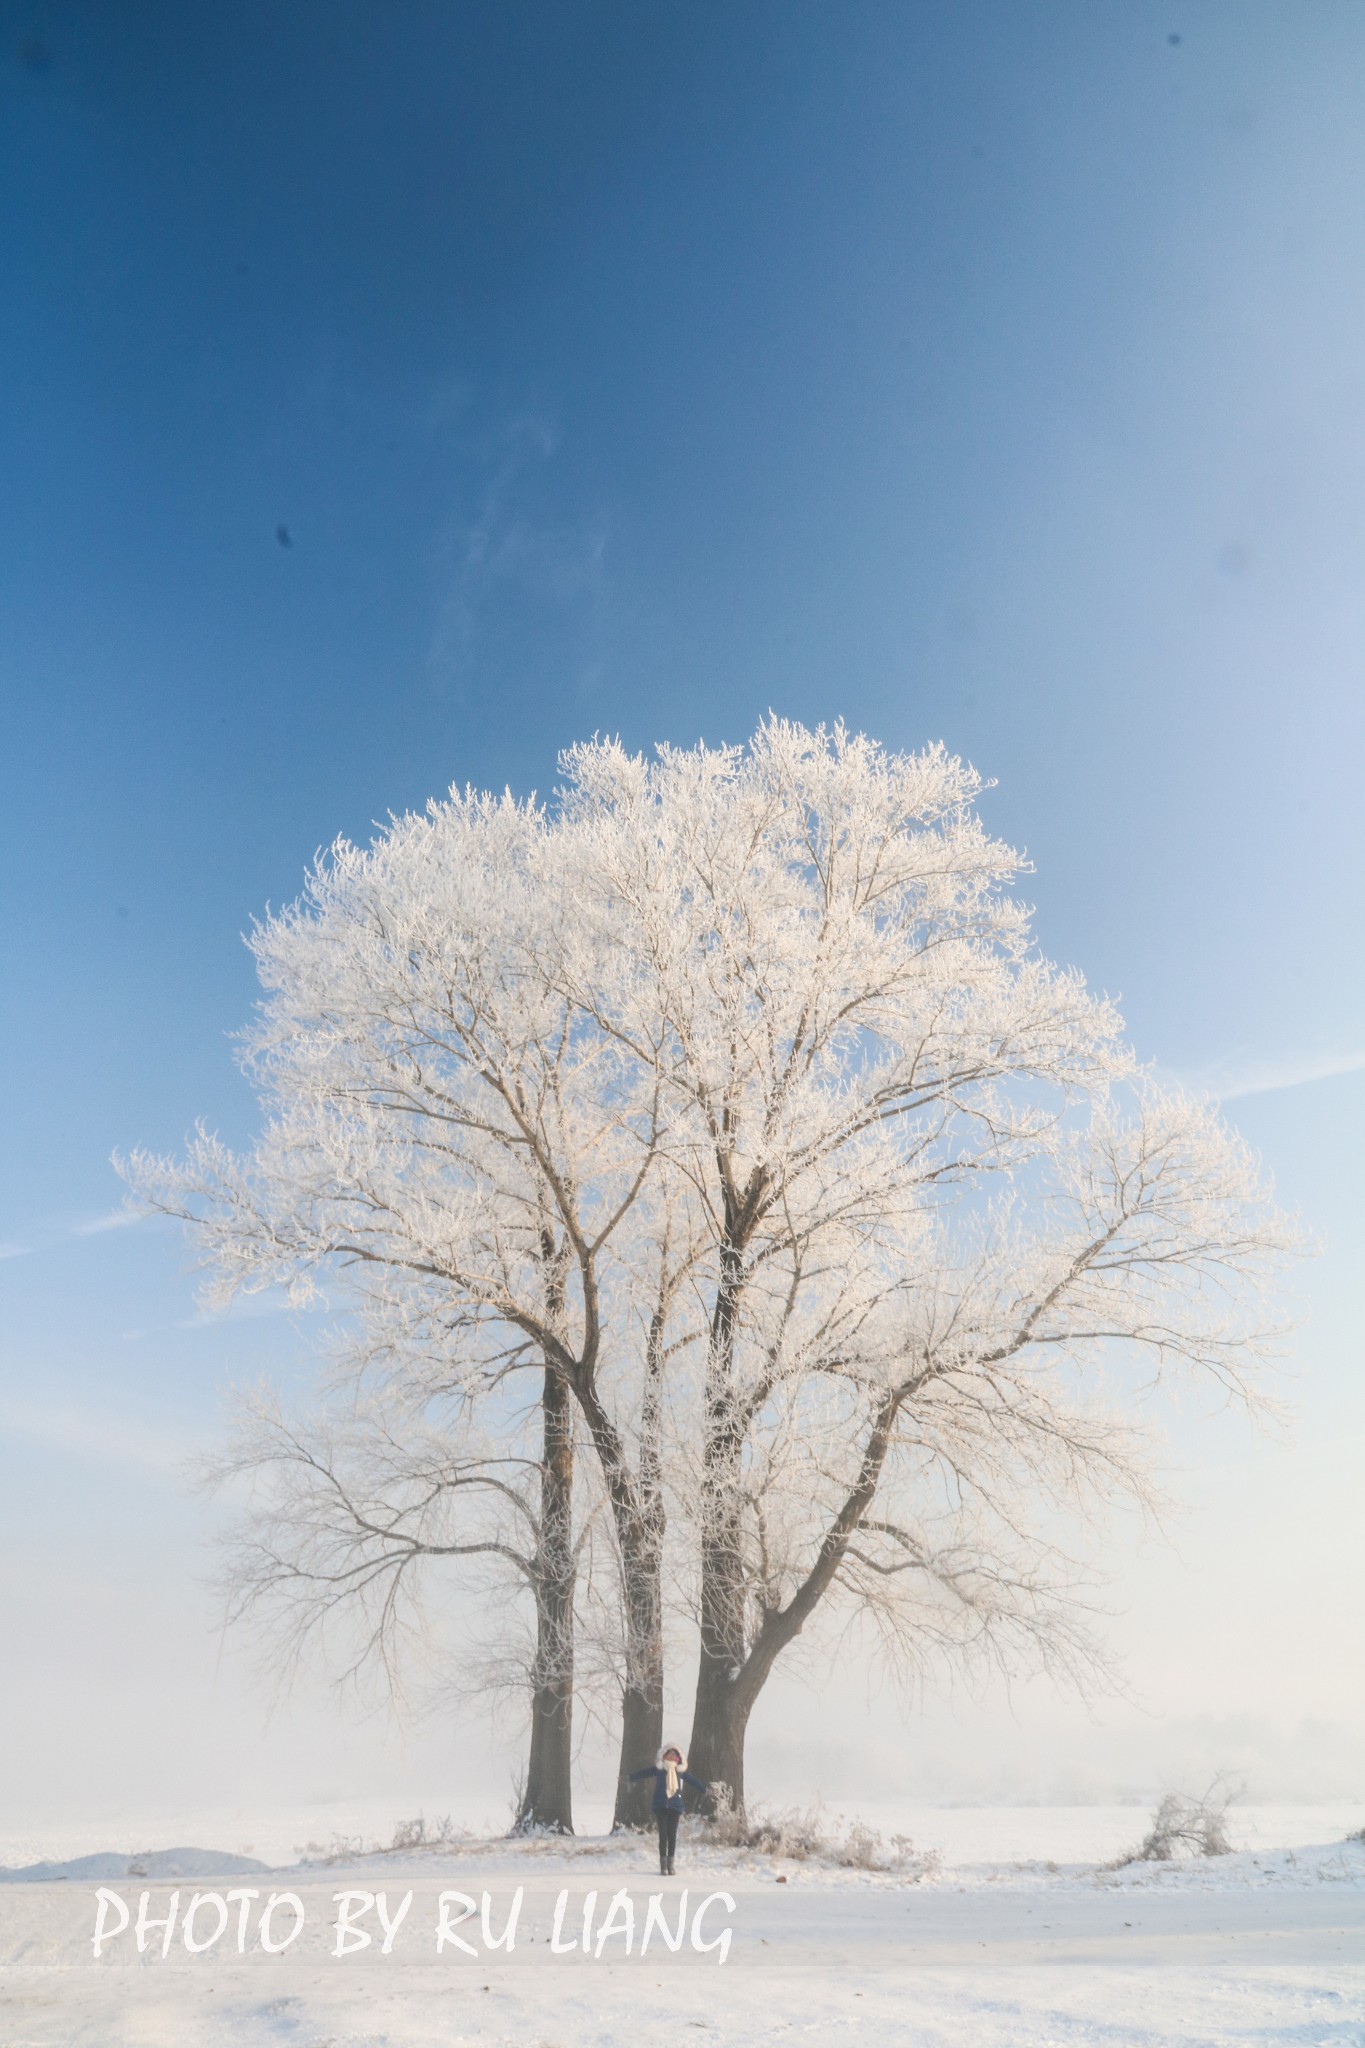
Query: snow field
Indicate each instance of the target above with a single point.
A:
(1261, 1949)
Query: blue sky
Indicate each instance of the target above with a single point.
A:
(392, 396)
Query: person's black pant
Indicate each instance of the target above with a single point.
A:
(668, 1836)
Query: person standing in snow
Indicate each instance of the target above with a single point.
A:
(670, 1773)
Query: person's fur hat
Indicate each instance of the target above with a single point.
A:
(678, 1751)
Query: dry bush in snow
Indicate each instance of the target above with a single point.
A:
(1182, 1826)
(810, 1835)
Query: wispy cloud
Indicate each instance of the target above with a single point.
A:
(1244, 1074)
(514, 552)
(117, 1219)
(50, 1232)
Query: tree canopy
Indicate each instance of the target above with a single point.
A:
(729, 1094)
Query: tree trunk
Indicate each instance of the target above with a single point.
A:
(718, 1729)
(642, 1735)
(719, 1720)
(728, 1685)
(547, 1799)
(641, 1540)
(642, 1696)
(639, 1537)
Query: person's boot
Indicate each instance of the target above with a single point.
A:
(669, 1871)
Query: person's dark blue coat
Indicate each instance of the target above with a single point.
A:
(661, 1802)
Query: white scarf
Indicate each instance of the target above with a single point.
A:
(671, 1770)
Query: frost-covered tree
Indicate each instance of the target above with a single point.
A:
(731, 1095)
(449, 1130)
(939, 1199)
(360, 1510)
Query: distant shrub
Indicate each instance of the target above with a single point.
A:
(422, 1834)
(417, 1833)
(341, 1849)
(1182, 1826)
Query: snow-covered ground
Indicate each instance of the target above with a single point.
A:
(1018, 1938)
(961, 1834)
